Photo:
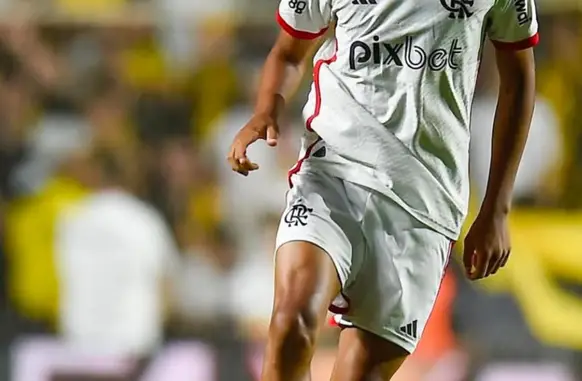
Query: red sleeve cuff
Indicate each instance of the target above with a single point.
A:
(519, 45)
(299, 34)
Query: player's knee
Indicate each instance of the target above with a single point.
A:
(293, 329)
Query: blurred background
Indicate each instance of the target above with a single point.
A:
(129, 251)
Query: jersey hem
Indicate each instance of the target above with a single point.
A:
(519, 45)
(449, 232)
(297, 167)
(299, 34)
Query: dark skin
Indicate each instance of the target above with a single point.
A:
(282, 74)
(306, 280)
(487, 244)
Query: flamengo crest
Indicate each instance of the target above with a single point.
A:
(297, 215)
(458, 9)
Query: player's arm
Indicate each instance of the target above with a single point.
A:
(282, 73)
(513, 31)
(487, 245)
(303, 23)
(515, 107)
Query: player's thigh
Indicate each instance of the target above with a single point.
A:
(315, 242)
(305, 282)
(395, 292)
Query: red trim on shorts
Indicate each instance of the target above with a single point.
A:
(344, 326)
(332, 322)
(340, 310)
(302, 35)
(519, 45)
(451, 247)
(445, 269)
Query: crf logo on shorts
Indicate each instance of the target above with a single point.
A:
(297, 215)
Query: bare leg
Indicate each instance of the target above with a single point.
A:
(363, 356)
(305, 283)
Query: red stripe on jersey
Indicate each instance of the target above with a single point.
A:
(297, 33)
(316, 70)
(297, 167)
(519, 45)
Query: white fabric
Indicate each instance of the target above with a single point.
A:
(113, 253)
(390, 265)
(513, 20)
(392, 94)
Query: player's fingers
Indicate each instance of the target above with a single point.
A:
(506, 258)
(494, 268)
(238, 162)
(240, 156)
(468, 253)
(242, 141)
(239, 151)
(481, 265)
(234, 164)
(248, 165)
(272, 135)
(495, 263)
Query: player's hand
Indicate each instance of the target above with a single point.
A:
(259, 127)
(487, 246)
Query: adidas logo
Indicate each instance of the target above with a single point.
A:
(410, 329)
(364, 2)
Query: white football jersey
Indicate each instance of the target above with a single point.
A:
(392, 93)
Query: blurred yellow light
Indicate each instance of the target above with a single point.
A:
(90, 6)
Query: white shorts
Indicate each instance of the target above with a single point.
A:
(389, 264)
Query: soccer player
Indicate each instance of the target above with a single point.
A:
(381, 188)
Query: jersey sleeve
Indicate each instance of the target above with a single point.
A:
(513, 24)
(304, 19)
